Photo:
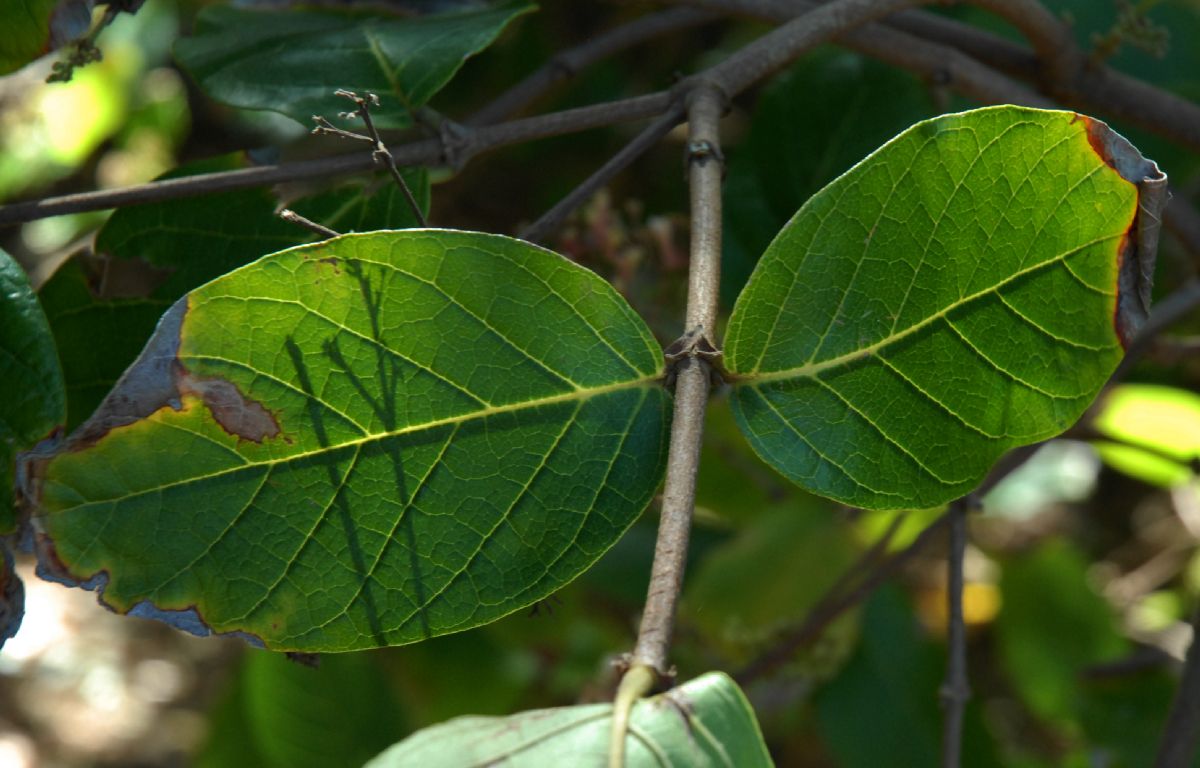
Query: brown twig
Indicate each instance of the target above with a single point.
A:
(1176, 306)
(423, 152)
(955, 690)
(379, 153)
(288, 215)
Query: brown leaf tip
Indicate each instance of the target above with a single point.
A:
(1138, 249)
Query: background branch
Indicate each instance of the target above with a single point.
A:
(568, 63)
(552, 219)
(955, 690)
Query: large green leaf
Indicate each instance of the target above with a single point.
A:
(705, 722)
(292, 61)
(32, 401)
(364, 442)
(964, 290)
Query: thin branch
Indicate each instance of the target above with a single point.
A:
(424, 152)
(288, 215)
(955, 690)
(1093, 89)
(1182, 733)
(552, 219)
(566, 64)
(380, 153)
(1101, 89)
(780, 46)
(940, 64)
(705, 166)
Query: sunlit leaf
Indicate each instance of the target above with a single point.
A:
(32, 401)
(964, 290)
(364, 442)
(1165, 420)
(705, 722)
(292, 61)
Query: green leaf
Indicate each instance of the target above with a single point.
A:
(1165, 420)
(32, 402)
(364, 442)
(964, 290)
(705, 722)
(292, 61)
(280, 714)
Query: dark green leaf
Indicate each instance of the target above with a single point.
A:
(365, 442)
(292, 61)
(190, 242)
(952, 296)
(32, 401)
(705, 722)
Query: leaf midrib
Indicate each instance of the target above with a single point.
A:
(811, 370)
(481, 413)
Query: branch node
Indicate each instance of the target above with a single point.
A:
(379, 154)
(694, 346)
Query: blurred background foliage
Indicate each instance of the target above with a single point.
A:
(1083, 567)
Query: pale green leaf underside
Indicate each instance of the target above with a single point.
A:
(438, 428)
(292, 61)
(704, 723)
(950, 297)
